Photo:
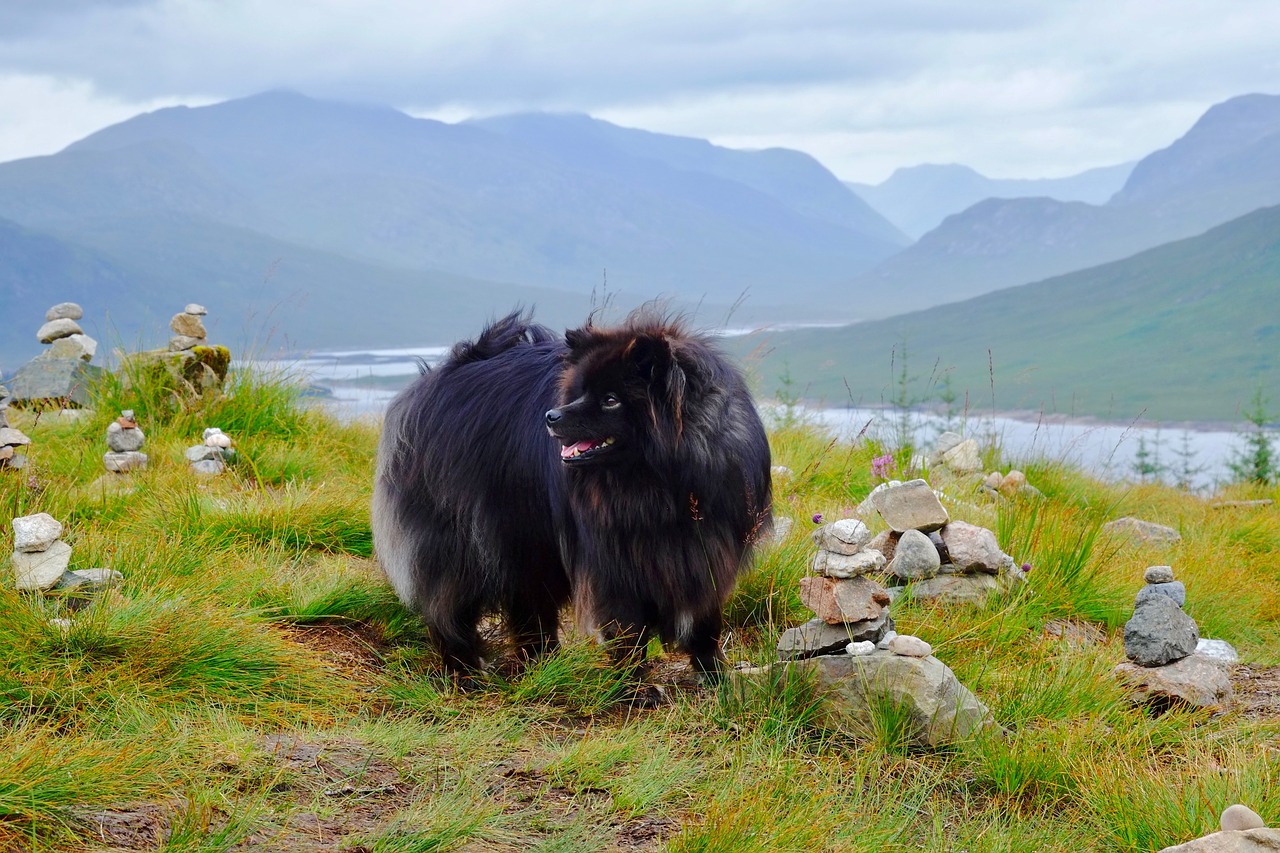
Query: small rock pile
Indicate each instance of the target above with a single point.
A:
(188, 329)
(124, 443)
(938, 558)
(12, 442)
(211, 456)
(1166, 661)
(61, 375)
(1010, 486)
(41, 559)
(64, 335)
(849, 607)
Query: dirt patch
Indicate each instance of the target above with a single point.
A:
(354, 649)
(137, 827)
(1257, 691)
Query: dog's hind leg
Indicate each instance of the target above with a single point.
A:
(534, 627)
(702, 642)
(455, 635)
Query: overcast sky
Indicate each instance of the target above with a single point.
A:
(1033, 88)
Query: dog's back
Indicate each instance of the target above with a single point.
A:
(467, 491)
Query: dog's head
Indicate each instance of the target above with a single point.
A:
(623, 392)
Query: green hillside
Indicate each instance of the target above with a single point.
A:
(1185, 331)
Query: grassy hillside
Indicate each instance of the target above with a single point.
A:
(1182, 332)
(254, 685)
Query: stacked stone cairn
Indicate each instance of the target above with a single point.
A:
(931, 556)
(849, 607)
(124, 443)
(859, 662)
(61, 375)
(188, 329)
(211, 456)
(1167, 662)
(12, 442)
(41, 559)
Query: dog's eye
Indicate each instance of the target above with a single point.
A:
(609, 402)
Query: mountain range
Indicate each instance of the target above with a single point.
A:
(1226, 165)
(918, 198)
(555, 207)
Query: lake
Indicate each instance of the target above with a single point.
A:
(361, 383)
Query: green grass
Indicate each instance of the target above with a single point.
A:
(251, 611)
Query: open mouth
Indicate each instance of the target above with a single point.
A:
(582, 450)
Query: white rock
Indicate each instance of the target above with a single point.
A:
(121, 463)
(219, 439)
(1238, 817)
(9, 436)
(41, 569)
(37, 532)
(82, 347)
(1217, 649)
(60, 328)
(194, 308)
(863, 647)
(846, 536)
(64, 311)
(964, 457)
(909, 646)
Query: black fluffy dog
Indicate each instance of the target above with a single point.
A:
(627, 465)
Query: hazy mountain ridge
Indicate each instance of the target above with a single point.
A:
(1183, 331)
(918, 198)
(1010, 242)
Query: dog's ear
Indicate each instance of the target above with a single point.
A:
(577, 338)
(658, 363)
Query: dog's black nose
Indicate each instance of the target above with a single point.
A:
(553, 416)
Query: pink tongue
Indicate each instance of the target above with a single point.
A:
(581, 446)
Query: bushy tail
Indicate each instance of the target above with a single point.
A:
(513, 330)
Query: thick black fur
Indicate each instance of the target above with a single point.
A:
(651, 515)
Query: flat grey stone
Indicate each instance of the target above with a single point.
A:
(196, 309)
(32, 533)
(208, 467)
(964, 589)
(1142, 532)
(1158, 574)
(197, 452)
(946, 441)
(866, 562)
(60, 328)
(54, 380)
(40, 570)
(938, 708)
(13, 437)
(1159, 633)
(816, 637)
(915, 557)
(64, 311)
(1173, 590)
(910, 506)
(846, 536)
(1195, 680)
(121, 463)
(88, 581)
